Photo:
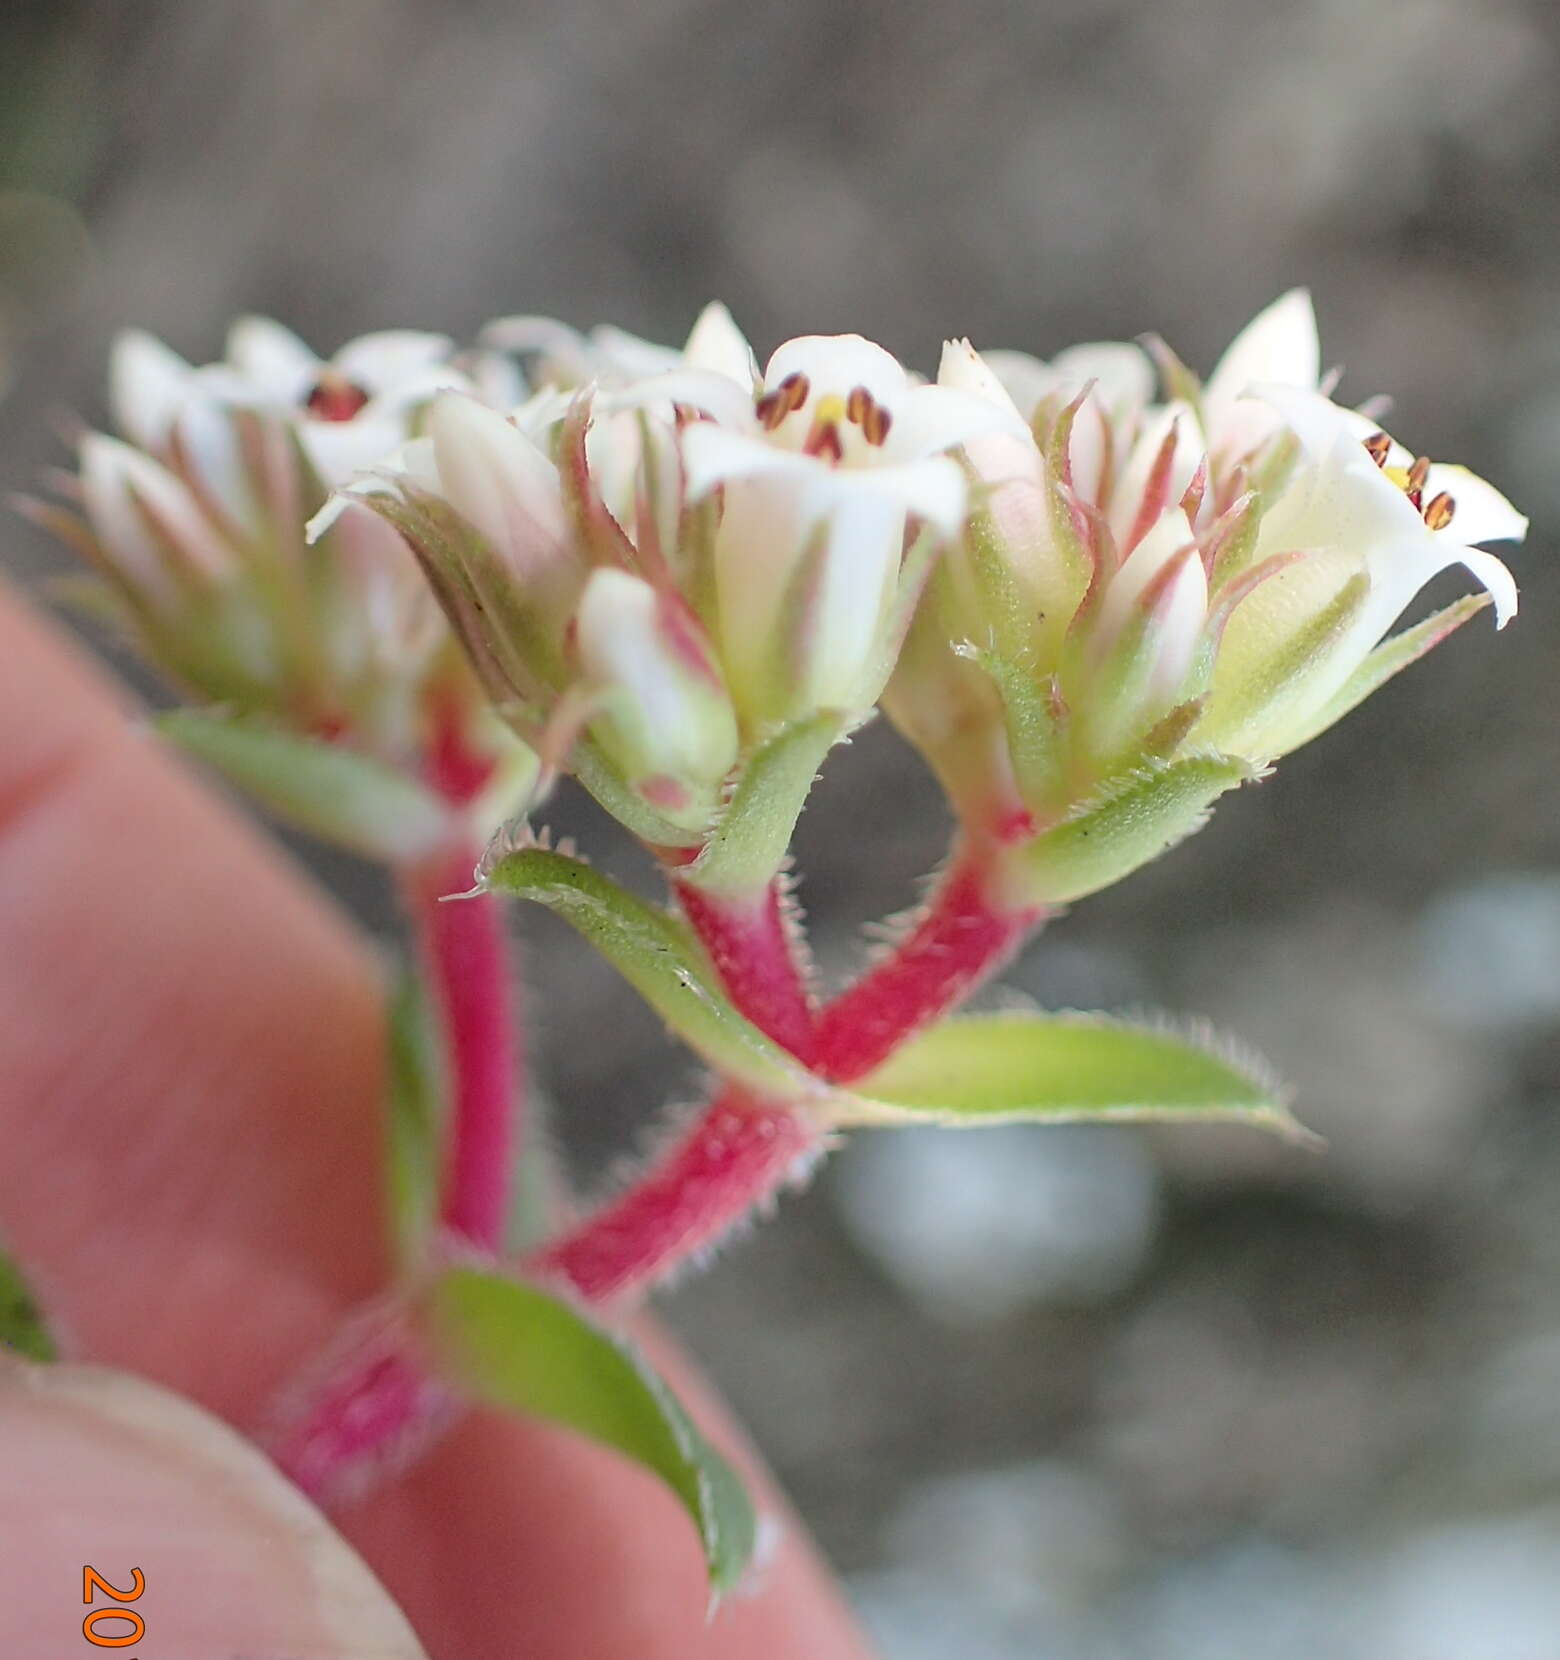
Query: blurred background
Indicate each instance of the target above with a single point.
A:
(1066, 1395)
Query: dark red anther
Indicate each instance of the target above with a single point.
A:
(1439, 511)
(334, 398)
(1378, 446)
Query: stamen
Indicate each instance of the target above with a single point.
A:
(771, 410)
(1378, 446)
(875, 423)
(1439, 511)
(1418, 474)
(334, 398)
(857, 405)
(797, 389)
(785, 399)
(824, 440)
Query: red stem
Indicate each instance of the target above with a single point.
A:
(466, 961)
(961, 941)
(737, 1153)
(752, 951)
(740, 1151)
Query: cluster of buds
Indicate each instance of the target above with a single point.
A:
(1144, 582)
(193, 518)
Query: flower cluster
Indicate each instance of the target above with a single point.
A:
(1148, 580)
(194, 517)
(1059, 585)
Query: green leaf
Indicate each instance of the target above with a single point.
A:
(415, 1114)
(516, 1347)
(22, 1326)
(748, 844)
(659, 957)
(992, 1069)
(336, 794)
(1137, 818)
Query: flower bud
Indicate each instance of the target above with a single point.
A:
(666, 718)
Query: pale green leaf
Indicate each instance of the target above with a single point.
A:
(340, 796)
(659, 957)
(516, 1347)
(997, 1068)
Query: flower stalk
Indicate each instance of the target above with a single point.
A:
(466, 962)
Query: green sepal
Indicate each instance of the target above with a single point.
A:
(337, 794)
(1388, 659)
(598, 774)
(1235, 715)
(514, 1346)
(1029, 723)
(657, 954)
(748, 844)
(1065, 1068)
(414, 1115)
(1136, 818)
(22, 1326)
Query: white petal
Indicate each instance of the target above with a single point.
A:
(932, 419)
(964, 370)
(712, 394)
(277, 363)
(713, 455)
(338, 449)
(856, 586)
(148, 384)
(1171, 532)
(1121, 372)
(1495, 579)
(717, 344)
(1027, 381)
(1482, 514)
(837, 363)
(1278, 346)
(1317, 422)
(673, 716)
(1127, 503)
(494, 476)
(379, 362)
(618, 356)
(114, 476)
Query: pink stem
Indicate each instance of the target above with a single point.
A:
(740, 1152)
(737, 1153)
(961, 941)
(466, 960)
(753, 953)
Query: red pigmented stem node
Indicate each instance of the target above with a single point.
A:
(753, 953)
(963, 939)
(737, 1153)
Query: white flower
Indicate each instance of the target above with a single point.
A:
(819, 475)
(350, 410)
(1357, 505)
